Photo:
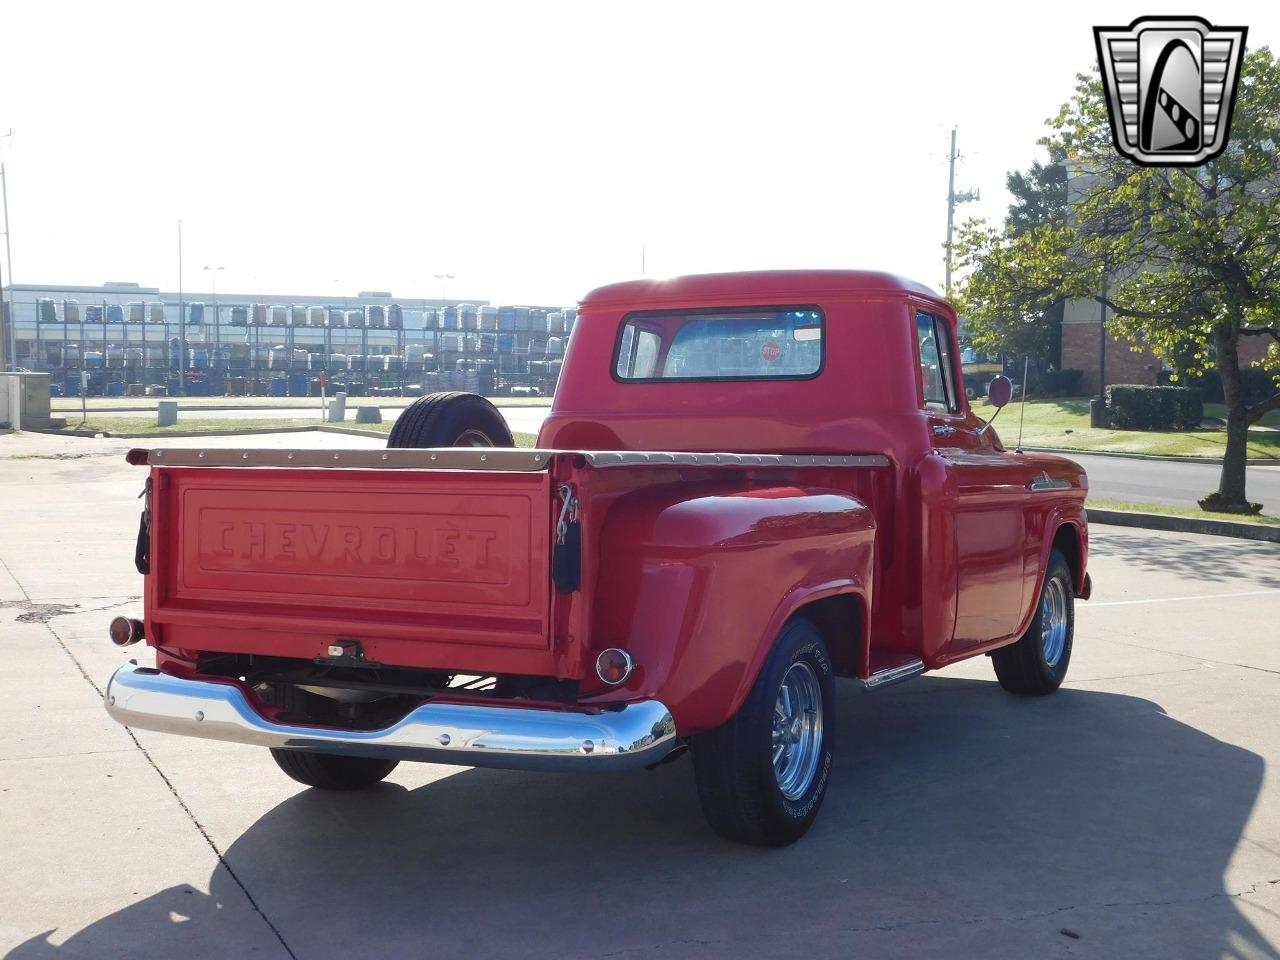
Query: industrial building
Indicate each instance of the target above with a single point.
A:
(123, 339)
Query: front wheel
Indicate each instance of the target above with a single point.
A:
(332, 771)
(1037, 663)
(762, 775)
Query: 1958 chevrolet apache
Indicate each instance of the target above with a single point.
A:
(748, 485)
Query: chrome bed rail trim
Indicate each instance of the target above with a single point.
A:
(488, 458)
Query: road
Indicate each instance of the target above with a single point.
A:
(1166, 483)
(1170, 483)
(1133, 814)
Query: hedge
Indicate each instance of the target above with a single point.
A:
(1059, 383)
(1258, 385)
(1134, 407)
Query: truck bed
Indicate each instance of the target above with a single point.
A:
(436, 559)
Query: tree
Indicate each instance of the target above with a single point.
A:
(1189, 256)
(1016, 326)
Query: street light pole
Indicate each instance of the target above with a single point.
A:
(11, 357)
(182, 322)
(443, 278)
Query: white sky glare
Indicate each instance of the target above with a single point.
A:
(528, 148)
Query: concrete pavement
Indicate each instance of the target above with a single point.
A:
(1134, 814)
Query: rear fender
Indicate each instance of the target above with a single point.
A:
(697, 579)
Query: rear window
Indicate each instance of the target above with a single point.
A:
(770, 344)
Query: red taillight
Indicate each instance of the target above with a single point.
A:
(614, 666)
(125, 630)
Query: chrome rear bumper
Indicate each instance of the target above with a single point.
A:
(472, 735)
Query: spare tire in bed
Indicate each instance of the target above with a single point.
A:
(451, 419)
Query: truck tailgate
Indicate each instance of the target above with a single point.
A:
(425, 568)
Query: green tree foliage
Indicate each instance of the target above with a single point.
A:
(1031, 327)
(1189, 256)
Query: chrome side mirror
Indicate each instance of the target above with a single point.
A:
(999, 391)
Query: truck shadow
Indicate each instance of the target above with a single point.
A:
(1213, 559)
(960, 821)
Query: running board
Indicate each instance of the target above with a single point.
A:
(891, 675)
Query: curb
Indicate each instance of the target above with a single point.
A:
(376, 434)
(1175, 524)
(1211, 461)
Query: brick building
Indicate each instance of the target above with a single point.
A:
(1081, 349)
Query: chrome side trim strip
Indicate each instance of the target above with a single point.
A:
(473, 735)
(888, 677)
(487, 458)
(1046, 482)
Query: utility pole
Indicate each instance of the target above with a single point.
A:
(952, 199)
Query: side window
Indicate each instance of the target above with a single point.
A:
(937, 375)
(638, 353)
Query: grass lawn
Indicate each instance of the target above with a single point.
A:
(1181, 511)
(105, 423)
(1064, 424)
(71, 405)
(1219, 412)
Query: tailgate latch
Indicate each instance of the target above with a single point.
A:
(566, 559)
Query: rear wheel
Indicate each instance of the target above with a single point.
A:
(331, 771)
(762, 776)
(1037, 663)
(450, 420)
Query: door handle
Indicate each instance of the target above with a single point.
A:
(943, 430)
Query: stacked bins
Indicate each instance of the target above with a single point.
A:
(279, 316)
(71, 311)
(239, 316)
(395, 317)
(376, 317)
(336, 317)
(467, 316)
(47, 310)
(195, 313)
(315, 316)
(487, 319)
(93, 314)
(355, 318)
(115, 313)
(298, 315)
(155, 312)
(258, 317)
(449, 318)
(137, 312)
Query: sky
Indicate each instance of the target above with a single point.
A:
(534, 150)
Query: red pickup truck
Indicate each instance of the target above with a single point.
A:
(748, 485)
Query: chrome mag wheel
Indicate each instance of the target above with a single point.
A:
(797, 730)
(1053, 621)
